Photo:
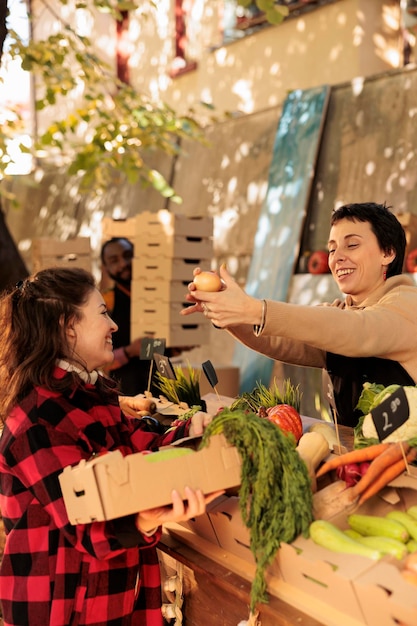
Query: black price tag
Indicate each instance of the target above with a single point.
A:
(391, 413)
(149, 346)
(164, 366)
(210, 373)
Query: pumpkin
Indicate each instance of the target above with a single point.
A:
(287, 418)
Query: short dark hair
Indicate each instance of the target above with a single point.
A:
(385, 226)
(113, 240)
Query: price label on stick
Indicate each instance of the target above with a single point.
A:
(391, 413)
(164, 366)
(210, 373)
(150, 346)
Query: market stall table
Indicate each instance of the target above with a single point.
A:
(215, 594)
(215, 584)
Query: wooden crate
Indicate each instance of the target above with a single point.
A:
(165, 223)
(165, 290)
(45, 246)
(63, 260)
(163, 268)
(117, 228)
(74, 252)
(174, 246)
(176, 335)
(148, 313)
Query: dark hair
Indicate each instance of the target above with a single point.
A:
(34, 317)
(113, 240)
(385, 226)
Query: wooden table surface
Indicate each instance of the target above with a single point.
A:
(215, 594)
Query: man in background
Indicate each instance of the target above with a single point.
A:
(128, 369)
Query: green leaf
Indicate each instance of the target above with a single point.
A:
(265, 5)
(277, 14)
(125, 5)
(24, 149)
(116, 114)
(184, 388)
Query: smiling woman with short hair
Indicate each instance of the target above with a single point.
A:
(370, 336)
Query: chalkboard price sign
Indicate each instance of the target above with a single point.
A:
(210, 373)
(164, 366)
(149, 346)
(391, 413)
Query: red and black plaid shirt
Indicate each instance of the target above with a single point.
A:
(53, 573)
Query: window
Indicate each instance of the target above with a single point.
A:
(239, 21)
(183, 17)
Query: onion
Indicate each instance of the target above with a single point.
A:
(207, 281)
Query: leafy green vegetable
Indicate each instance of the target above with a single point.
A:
(372, 395)
(268, 397)
(275, 495)
(359, 440)
(184, 388)
(366, 399)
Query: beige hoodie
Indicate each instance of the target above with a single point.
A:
(384, 325)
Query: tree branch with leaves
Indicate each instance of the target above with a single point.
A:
(109, 137)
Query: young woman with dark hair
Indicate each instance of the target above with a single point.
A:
(57, 409)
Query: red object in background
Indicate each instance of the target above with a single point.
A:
(287, 418)
(123, 48)
(318, 262)
(411, 261)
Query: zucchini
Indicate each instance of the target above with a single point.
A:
(406, 520)
(378, 526)
(413, 511)
(386, 545)
(352, 533)
(411, 545)
(328, 536)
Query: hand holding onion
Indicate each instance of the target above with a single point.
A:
(228, 306)
(207, 281)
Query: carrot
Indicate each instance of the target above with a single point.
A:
(353, 456)
(391, 472)
(395, 452)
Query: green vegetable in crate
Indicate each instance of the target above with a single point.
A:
(411, 545)
(385, 545)
(275, 495)
(378, 526)
(329, 536)
(372, 396)
(406, 520)
(412, 510)
(167, 454)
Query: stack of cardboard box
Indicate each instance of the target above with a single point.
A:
(75, 252)
(167, 249)
(409, 222)
(117, 228)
